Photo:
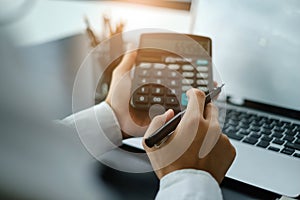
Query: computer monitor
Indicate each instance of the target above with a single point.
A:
(256, 47)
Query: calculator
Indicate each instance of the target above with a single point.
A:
(167, 65)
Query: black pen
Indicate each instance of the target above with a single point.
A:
(171, 125)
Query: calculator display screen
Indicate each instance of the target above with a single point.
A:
(187, 47)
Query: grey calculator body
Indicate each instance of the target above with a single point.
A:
(167, 65)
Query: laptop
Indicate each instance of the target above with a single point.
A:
(256, 51)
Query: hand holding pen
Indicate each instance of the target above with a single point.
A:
(183, 147)
(160, 134)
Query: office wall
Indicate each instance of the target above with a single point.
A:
(49, 20)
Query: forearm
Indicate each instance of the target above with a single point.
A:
(189, 184)
(97, 127)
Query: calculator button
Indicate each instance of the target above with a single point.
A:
(202, 75)
(202, 69)
(144, 81)
(173, 83)
(145, 65)
(143, 90)
(171, 100)
(173, 91)
(158, 91)
(158, 81)
(173, 74)
(158, 73)
(187, 68)
(186, 88)
(141, 99)
(184, 99)
(173, 66)
(204, 89)
(158, 100)
(159, 66)
(187, 81)
(188, 74)
(202, 82)
(202, 62)
(144, 73)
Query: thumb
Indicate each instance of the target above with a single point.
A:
(159, 121)
(127, 62)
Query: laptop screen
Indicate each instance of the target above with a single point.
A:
(256, 47)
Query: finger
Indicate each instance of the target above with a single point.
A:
(211, 112)
(215, 84)
(127, 62)
(159, 121)
(196, 101)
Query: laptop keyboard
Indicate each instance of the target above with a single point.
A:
(264, 132)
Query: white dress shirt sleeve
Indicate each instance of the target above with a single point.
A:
(98, 128)
(189, 184)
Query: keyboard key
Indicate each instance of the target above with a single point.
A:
(277, 135)
(266, 138)
(289, 127)
(268, 126)
(288, 138)
(234, 136)
(278, 141)
(255, 128)
(188, 68)
(273, 148)
(297, 141)
(156, 99)
(278, 129)
(244, 132)
(297, 155)
(263, 144)
(265, 132)
(292, 145)
(255, 135)
(233, 122)
(250, 140)
(287, 151)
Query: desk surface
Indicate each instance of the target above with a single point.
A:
(65, 56)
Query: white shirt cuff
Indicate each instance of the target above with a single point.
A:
(98, 128)
(189, 184)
